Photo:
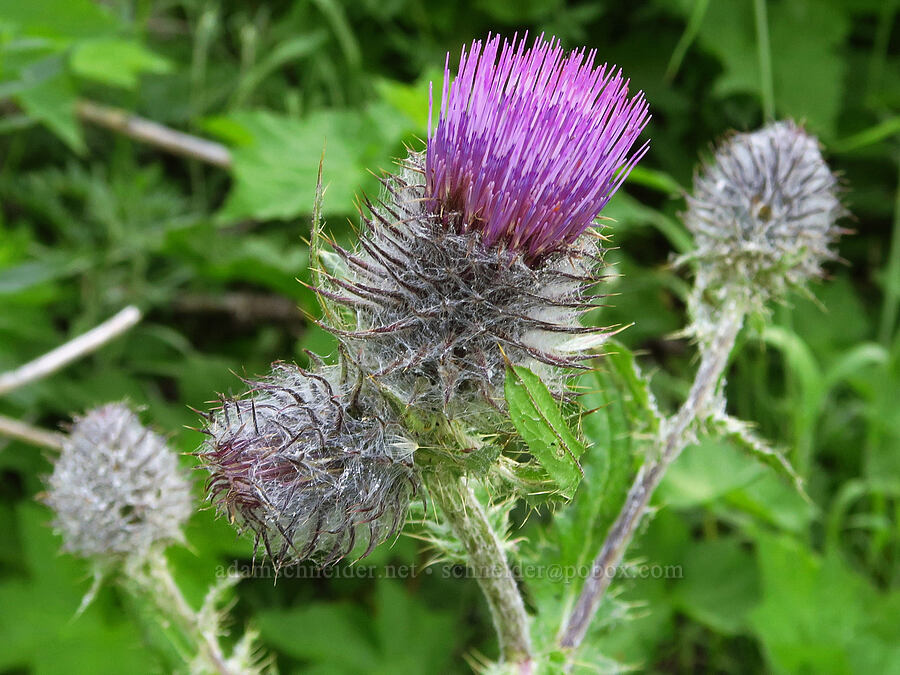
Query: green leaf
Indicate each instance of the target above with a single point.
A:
(276, 163)
(115, 61)
(807, 66)
(61, 19)
(402, 635)
(742, 435)
(720, 585)
(538, 420)
(409, 99)
(293, 49)
(627, 211)
(50, 98)
(43, 634)
(706, 472)
(819, 616)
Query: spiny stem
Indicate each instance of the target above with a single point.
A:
(165, 592)
(20, 431)
(487, 560)
(74, 349)
(674, 437)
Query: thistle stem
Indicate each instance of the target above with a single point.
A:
(161, 586)
(487, 560)
(675, 435)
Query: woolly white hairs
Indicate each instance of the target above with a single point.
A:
(432, 307)
(117, 488)
(763, 212)
(305, 463)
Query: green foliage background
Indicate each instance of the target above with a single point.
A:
(91, 221)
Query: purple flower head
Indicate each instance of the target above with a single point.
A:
(530, 146)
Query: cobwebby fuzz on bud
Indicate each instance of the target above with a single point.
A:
(116, 488)
(483, 242)
(763, 213)
(312, 469)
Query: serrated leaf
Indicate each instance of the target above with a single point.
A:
(741, 434)
(538, 420)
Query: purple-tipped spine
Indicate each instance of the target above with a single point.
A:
(531, 143)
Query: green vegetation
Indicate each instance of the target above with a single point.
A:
(760, 577)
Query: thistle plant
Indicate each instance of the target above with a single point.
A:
(763, 213)
(477, 257)
(460, 313)
(480, 251)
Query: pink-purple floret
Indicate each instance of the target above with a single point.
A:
(531, 145)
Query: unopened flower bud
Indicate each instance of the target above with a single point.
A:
(763, 213)
(116, 488)
(311, 469)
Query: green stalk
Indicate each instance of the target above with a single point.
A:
(156, 582)
(675, 434)
(487, 560)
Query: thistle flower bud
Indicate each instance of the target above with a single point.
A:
(483, 243)
(116, 488)
(763, 213)
(307, 464)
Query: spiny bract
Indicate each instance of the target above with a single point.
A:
(763, 212)
(305, 463)
(435, 312)
(116, 487)
(480, 250)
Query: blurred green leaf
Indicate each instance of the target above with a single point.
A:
(705, 472)
(400, 636)
(64, 19)
(818, 616)
(38, 627)
(277, 161)
(115, 61)
(720, 584)
(807, 66)
(51, 99)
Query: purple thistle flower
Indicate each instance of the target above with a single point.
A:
(530, 146)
